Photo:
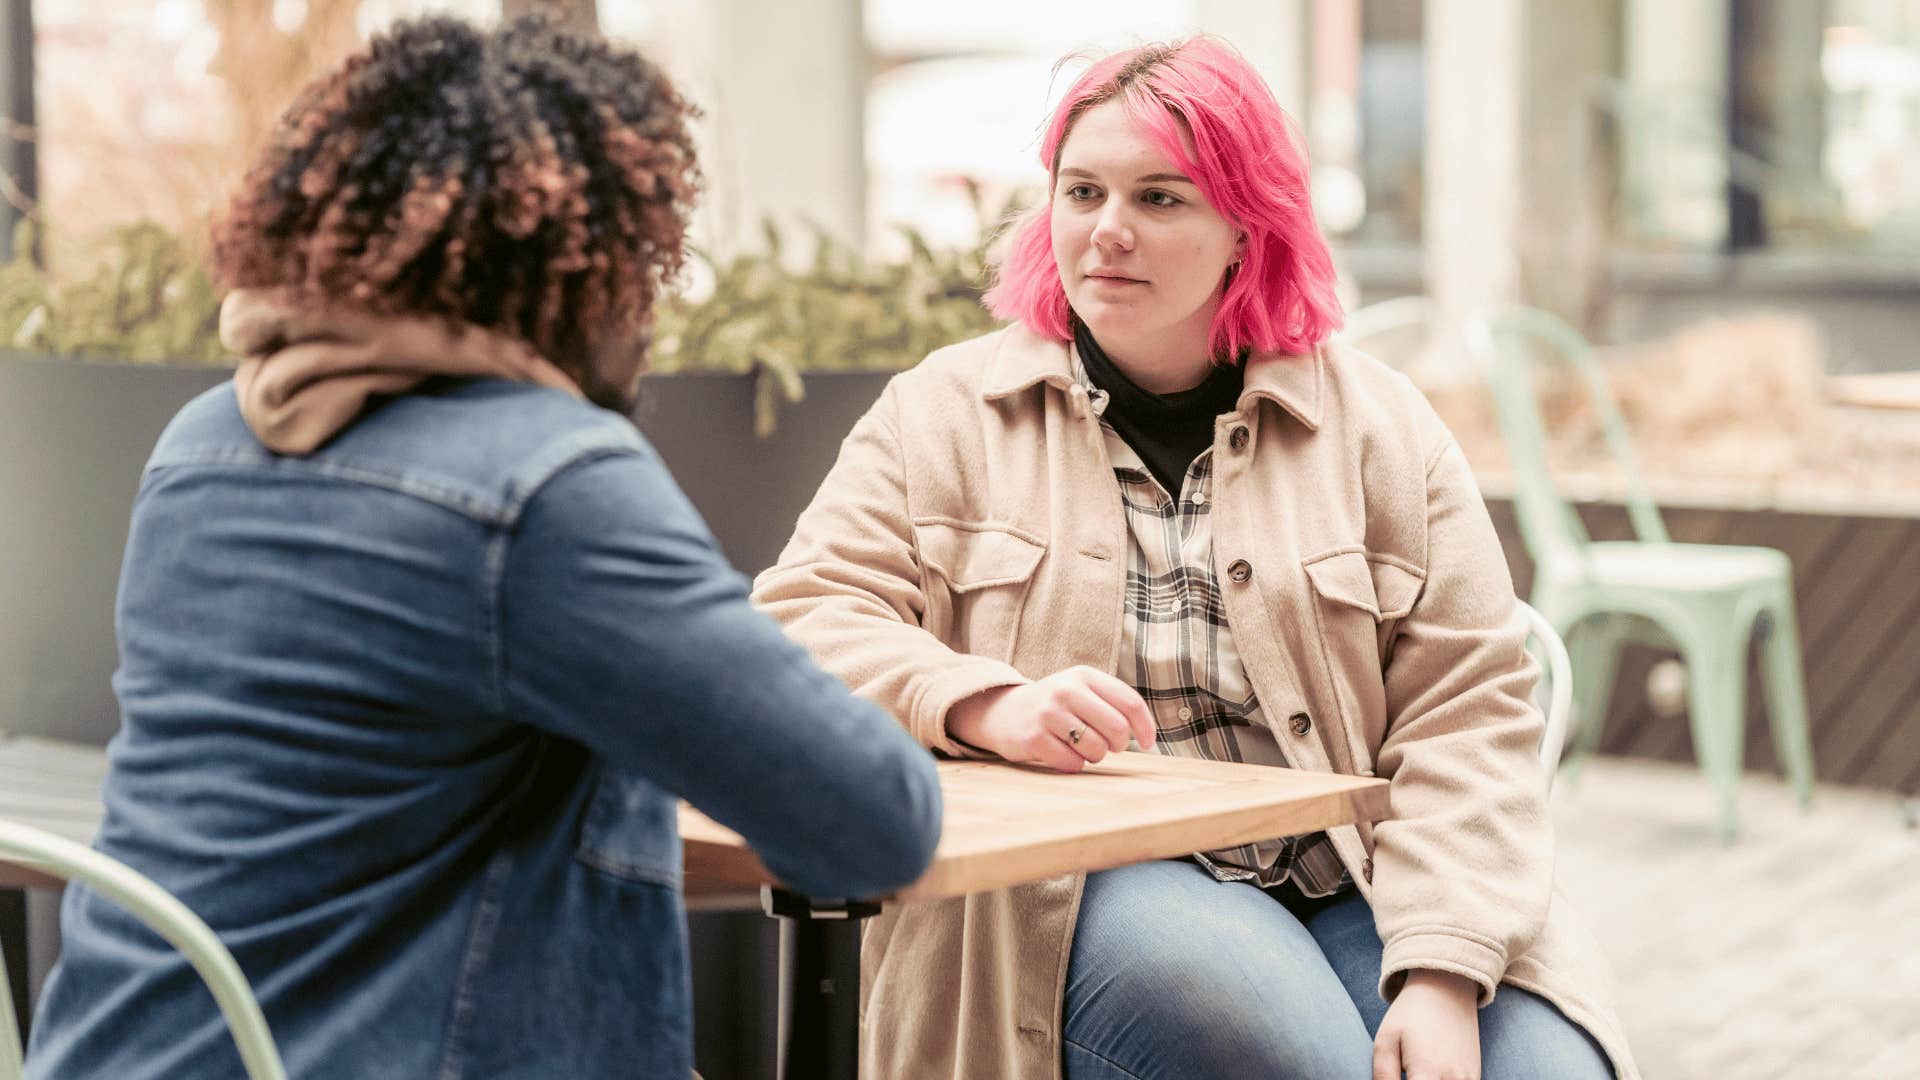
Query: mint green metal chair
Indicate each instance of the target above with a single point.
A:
(1704, 600)
(61, 858)
(1397, 316)
(1386, 317)
(1557, 671)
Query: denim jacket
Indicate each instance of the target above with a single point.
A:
(406, 721)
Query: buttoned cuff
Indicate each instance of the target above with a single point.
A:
(942, 691)
(1436, 949)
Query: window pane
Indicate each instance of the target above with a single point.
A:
(1393, 119)
(1828, 122)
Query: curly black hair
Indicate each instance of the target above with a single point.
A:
(523, 178)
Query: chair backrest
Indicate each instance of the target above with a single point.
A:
(1410, 312)
(1559, 682)
(1504, 342)
(167, 916)
(1386, 317)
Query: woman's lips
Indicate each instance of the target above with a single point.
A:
(1115, 280)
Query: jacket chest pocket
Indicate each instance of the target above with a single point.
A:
(976, 582)
(1358, 600)
(1359, 597)
(631, 830)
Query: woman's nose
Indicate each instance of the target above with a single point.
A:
(1111, 230)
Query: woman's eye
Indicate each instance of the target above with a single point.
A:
(1161, 198)
(1080, 192)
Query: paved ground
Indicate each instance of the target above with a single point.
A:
(1794, 953)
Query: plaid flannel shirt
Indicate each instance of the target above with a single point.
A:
(1177, 650)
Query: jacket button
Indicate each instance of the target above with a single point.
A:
(1366, 870)
(1301, 723)
(1237, 440)
(1241, 570)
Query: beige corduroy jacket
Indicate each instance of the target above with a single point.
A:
(971, 536)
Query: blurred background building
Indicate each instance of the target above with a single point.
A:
(1629, 163)
(1723, 194)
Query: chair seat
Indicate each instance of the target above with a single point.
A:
(1706, 602)
(1683, 567)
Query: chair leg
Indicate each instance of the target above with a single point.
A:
(14, 978)
(1595, 652)
(10, 1052)
(1787, 698)
(1716, 713)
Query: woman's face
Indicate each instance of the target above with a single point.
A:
(1141, 253)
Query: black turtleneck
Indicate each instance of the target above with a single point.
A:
(1167, 430)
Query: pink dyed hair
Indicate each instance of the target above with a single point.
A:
(1245, 159)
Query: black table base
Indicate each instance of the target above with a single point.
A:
(823, 1028)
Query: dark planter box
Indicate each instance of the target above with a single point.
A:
(73, 438)
(74, 435)
(751, 489)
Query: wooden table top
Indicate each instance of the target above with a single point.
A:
(1009, 824)
(1004, 824)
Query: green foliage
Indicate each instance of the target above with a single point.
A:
(841, 313)
(149, 300)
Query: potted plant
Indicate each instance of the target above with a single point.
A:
(756, 379)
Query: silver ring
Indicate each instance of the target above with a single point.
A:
(1073, 735)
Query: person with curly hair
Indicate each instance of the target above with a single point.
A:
(420, 645)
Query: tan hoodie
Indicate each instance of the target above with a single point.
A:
(308, 371)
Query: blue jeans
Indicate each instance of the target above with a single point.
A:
(1177, 975)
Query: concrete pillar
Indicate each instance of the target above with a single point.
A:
(1471, 203)
(1272, 35)
(1334, 115)
(1519, 182)
(783, 87)
(1567, 171)
(1671, 115)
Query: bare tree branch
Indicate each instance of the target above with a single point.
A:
(13, 194)
(579, 16)
(263, 66)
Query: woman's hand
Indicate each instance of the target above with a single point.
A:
(1432, 1030)
(1063, 721)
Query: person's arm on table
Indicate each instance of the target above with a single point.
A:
(848, 587)
(626, 630)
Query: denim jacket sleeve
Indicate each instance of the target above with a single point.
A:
(622, 627)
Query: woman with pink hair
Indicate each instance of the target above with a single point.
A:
(1164, 509)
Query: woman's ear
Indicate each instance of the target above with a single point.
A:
(1240, 247)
